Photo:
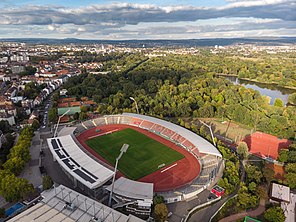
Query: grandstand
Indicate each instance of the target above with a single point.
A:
(85, 172)
(207, 155)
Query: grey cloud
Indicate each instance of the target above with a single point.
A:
(122, 14)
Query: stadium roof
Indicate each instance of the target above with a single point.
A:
(280, 192)
(200, 143)
(77, 163)
(133, 189)
(79, 208)
(73, 110)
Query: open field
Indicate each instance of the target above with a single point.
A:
(235, 132)
(143, 157)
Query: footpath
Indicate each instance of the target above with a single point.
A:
(260, 209)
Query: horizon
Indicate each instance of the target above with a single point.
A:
(147, 20)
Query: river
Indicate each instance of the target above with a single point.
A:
(271, 91)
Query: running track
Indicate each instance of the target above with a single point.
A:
(170, 177)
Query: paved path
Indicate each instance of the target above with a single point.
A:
(31, 171)
(260, 209)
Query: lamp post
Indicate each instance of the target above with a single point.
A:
(55, 132)
(210, 131)
(122, 151)
(133, 99)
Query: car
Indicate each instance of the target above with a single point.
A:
(43, 127)
(46, 112)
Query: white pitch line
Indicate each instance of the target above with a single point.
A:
(169, 168)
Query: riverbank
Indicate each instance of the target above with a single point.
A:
(256, 81)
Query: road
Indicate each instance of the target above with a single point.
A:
(205, 214)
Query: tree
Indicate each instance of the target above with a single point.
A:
(268, 174)
(261, 192)
(13, 188)
(47, 182)
(161, 212)
(157, 199)
(53, 115)
(5, 127)
(243, 149)
(35, 124)
(283, 155)
(275, 214)
(15, 165)
(292, 99)
(278, 102)
(291, 180)
(253, 173)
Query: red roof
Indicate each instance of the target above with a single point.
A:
(265, 145)
(61, 105)
(89, 102)
(75, 104)
(65, 119)
(70, 99)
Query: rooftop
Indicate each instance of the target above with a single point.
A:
(77, 163)
(63, 204)
(280, 192)
(133, 189)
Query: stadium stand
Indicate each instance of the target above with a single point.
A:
(157, 128)
(100, 121)
(167, 133)
(78, 166)
(146, 125)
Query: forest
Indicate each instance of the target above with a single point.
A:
(176, 86)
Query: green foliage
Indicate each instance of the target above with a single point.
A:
(292, 99)
(274, 214)
(268, 174)
(5, 127)
(243, 150)
(157, 199)
(29, 70)
(35, 124)
(47, 182)
(32, 90)
(278, 102)
(13, 188)
(290, 168)
(291, 179)
(254, 174)
(283, 155)
(246, 200)
(53, 115)
(161, 212)
(261, 192)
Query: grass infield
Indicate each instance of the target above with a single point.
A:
(143, 157)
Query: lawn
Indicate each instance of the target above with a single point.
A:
(143, 156)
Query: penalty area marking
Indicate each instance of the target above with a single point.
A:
(112, 131)
(169, 168)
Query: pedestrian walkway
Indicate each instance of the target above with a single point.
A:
(260, 209)
(31, 171)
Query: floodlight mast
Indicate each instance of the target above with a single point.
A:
(122, 151)
(210, 131)
(55, 132)
(133, 99)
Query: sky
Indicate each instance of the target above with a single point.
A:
(147, 19)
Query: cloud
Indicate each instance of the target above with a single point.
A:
(126, 19)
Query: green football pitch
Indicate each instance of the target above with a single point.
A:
(143, 157)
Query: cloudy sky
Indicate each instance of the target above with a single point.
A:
(146, 19)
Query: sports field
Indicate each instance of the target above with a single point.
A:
(143, 157)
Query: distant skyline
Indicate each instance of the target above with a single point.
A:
(150, 19)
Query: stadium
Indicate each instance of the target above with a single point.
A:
(163, 158)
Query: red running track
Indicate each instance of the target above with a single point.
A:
(175, 175)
